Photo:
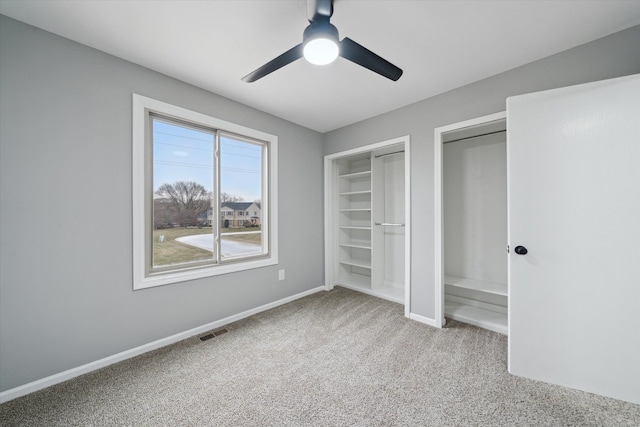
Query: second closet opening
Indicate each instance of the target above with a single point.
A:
(474, 225)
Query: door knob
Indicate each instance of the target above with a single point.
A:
(521, 250)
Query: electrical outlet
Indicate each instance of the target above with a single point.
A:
(280, 274)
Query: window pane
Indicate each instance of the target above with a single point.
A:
(241, 191)
(183, 183)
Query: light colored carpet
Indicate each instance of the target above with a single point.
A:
(336, 358)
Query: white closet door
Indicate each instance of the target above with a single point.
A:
(574, 203)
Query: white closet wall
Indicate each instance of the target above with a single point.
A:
(475, 206)
(388, 223)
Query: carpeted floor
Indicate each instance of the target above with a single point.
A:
(336, 358)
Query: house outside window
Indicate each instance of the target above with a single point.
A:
(241, 209)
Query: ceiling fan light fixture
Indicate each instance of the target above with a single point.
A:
(321, 50)
(320, 42)
(320, 45)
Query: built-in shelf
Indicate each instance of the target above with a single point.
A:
(355, 245)
(482, 318)
(356, 262)
(354, 223)
(355, 175)
(477, 285)
(355, 281)
(358, 243)
(363, 284)
(353, 193)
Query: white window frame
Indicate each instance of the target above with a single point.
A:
(142, 224)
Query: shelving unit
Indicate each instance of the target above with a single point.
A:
(354, 193)
(480, 317)
(354, 222)
(356, 262)
(477, 285)
(477, 302)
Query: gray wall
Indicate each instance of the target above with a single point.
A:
(66, 294)
(609, 57)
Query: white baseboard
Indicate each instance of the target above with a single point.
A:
(422, 319)
(40, 384)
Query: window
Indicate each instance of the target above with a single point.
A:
(185, 164)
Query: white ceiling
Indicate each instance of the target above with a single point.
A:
(440, 45)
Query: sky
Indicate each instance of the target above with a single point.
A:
(186, 154)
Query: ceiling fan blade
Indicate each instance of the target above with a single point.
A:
(362, 56)
(319, 9)
(286, 58)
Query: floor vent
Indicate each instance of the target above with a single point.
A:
(206, 337)
(220, 331)
(213, 334)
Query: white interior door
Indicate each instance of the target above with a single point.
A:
(574, 204)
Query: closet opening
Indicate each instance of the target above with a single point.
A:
(471, 223)
(367, 227)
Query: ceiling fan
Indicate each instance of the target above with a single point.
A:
(320, 46)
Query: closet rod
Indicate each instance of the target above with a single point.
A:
(389, 154)
(474, 136)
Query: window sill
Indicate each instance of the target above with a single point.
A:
(149, 281)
